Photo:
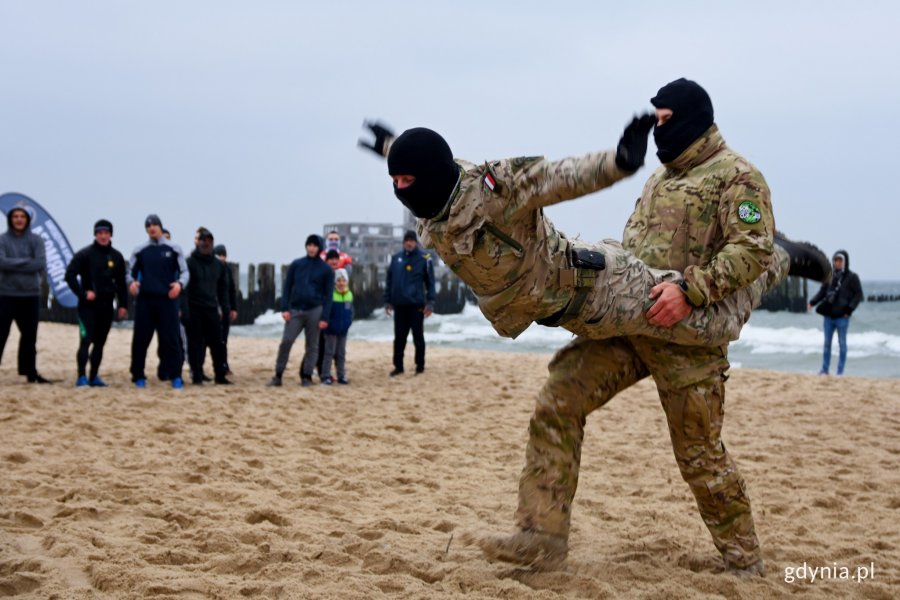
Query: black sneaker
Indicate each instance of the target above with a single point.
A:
(306, 381)
(807, 260)
(275, 381)
(36, 378)
(420, 370)
(396, 372)
(223, 381)
(342, 380)
(327, 380)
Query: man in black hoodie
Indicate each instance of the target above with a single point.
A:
(96, 275)
(837, 300)
(207, 306)
(22, 258)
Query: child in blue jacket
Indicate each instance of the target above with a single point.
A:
(338, 325)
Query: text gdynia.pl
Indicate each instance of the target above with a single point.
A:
(835, 572)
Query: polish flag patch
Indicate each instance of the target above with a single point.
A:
(489, 182)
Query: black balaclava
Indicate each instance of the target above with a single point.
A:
(9, 218)
(425, 155)
(692, 115)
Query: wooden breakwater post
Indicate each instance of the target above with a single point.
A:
(790, 295)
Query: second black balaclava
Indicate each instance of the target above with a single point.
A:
(425, 155)
(692, 115)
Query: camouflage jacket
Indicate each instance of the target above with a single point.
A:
(707, 214)
(493, 232)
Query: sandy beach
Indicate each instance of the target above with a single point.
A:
(364, 491)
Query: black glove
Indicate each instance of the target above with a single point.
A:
(383, 136)
(633, 144)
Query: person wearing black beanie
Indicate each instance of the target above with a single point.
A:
(490, 228)
(306, 297)
(690, 114)
(96, 274)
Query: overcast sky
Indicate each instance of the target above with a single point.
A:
(243, 116)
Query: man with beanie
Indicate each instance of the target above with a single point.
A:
(705, 213)
(836, 301)
(306, 297)
(157, 275)
(96, 275)
(221, 253)
(205, 308)
(409, 294)
(22, 258)
(489, 227)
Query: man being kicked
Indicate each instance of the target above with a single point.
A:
(96, 275)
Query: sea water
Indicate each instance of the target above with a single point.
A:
(780, 341)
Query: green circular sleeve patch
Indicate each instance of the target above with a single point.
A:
(749, 212)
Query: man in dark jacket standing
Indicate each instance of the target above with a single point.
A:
(207, 307)
(305, 305)
(409, 294)
(22, 258)
(96, 275)
(157, 274)
(837, 300)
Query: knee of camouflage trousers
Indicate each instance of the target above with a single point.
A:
(695, 416)
(583, 376)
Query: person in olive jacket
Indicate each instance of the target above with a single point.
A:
(837, 299)
(96, 275)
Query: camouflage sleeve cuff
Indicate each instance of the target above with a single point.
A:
(693, 294)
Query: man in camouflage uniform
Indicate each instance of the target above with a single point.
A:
(487, 223)
(706, 213)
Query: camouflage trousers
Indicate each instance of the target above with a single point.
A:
(619, 297)
(584, 376)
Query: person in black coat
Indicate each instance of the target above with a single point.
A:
(96, 274)
(207, 306)
(409, 294)
(837, 299)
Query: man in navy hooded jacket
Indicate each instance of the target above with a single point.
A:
(305, 305)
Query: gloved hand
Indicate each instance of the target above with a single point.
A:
(633, 144)
(383, 138)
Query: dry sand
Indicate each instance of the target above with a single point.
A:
(363, 491)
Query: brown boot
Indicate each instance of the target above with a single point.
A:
(526, 548)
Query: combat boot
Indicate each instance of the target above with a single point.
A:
(807, 260)
(526, 548)
(757, 569)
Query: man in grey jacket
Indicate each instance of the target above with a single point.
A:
(22, 258)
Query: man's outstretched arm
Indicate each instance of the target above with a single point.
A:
(548, 182)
